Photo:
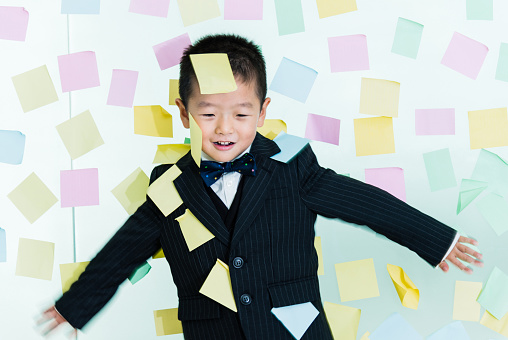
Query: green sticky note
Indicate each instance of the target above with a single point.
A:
(494, 295)
(479, 9)
(289, 16)
(439, 169)
(186, 140)
(469, 190)
(492, 169)
(139, 272)
(502, 63)
(494, 208)
(407, 38)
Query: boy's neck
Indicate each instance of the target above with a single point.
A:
(205, 157)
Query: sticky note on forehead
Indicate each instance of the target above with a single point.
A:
(213, 72)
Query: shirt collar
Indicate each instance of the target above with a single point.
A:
(205, 157)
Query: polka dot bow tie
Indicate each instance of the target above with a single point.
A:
(212, 171)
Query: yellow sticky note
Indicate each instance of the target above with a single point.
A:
(152, 120)
(35, 88)
(500, 326)
(163, 192)
(166, 322)
(379, 97)
(488, 128)
(343, 320)
(170, 153)
(328, 8)
(374, 136)
(159, 254)
(80, 134)
(409, 295)
(217, 286)
(213, 72)
(194, 232)
(357, 280)
(272, 127)
(70, 272)
(35, 259)
(196, 140)
(32, 197)
(319, 250)
(465, 306)
(365, 336)
(194, 11)
(174, 93)
(131, 192)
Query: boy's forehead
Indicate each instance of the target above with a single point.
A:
(246, 92)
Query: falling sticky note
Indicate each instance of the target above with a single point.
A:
(80, 134)
(479, 9)
(174, 87)
(81, 6)
(465, 55)
(328, 8)
(157, 8)
(494, 295)
(502, 63)
(348, 53)
(465, 306)
(163, 193)
(194, 232)
(388, 179)
(488, 128)
(243, 9)
(356, 280)
(289, 16)
(500, 326)
(319, 251)
(494, 208)
(469, 190)
(32, 198)
(79, 187)
(166, 322)
(409, 295)
(213, 72)
(159, 254)
(35, 259)
(34, 88)
(434, 122)
(195, 11)
(168, 53)
(3, 246)
(439, 168)
(196, 140)
(78, 71)
(12, 146)
(365, 336)
(170, 153)
(452, 331)
(492, 169)
(408, 35)
(343, 320)
(140, 272)
(131, 192)
(123, 88)
(293, 80)
(379, 97)
(13, 23)
(70, 272)
(272, 127)
(296, 318)
(395, 327)
(153, 120)
(289, 145)
(322, 128)
(374, 136)
(217, 286)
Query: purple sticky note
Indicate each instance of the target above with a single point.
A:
(243, 9)
(388, 179)
(158, 8)
(79, 187)
(123, 87)
(169, 52)
(348, 53)
(323, 129)
(13, 23)
(465, 55)
(78, 71)
(435, 122)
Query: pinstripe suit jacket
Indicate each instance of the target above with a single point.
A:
(274, 235)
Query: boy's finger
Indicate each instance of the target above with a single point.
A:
(461, 266)
(444, 266)
(469, 251)
(463, 239)
(50, 328)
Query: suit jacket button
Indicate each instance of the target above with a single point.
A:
(238, 262)
(245, 299)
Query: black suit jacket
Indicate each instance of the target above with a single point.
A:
(274, 236)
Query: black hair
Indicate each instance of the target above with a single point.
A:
(245, 58)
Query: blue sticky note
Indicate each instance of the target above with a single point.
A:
(289, 145)
(395, 328)
(3, 246)
(81, 6)
(296, 318)
(453, 331)
(12, 146)
(293, 80)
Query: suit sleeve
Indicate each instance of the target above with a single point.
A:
(132, 244)
(335, 196)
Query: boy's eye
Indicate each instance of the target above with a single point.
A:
(207, 115)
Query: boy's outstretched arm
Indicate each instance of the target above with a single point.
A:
(462, 252)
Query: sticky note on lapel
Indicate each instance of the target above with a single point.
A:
(217, 286)
(163, 192)
(408, 293)
(194, 232)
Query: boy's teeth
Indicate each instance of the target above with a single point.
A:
(224, 143)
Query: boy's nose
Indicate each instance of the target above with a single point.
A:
(224, 127)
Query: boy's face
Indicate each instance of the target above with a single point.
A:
(228, 121)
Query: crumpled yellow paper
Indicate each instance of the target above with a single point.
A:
(408, 293)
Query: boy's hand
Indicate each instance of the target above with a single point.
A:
(52, 315)
(464, 253)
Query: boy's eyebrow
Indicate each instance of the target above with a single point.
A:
(207, 104)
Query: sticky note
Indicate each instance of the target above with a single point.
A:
(243, 9)
(170, 153)
(502, 63)
(452, 331)
(168, 53)
(186, 140)
(328, 8)
(79, 187)
(469, 190)
(140, 272)
(81, 6)
(217, 286)
(494, 208)
(80, 134)
(365, 336)
(434, 122)
(34, 88)
(492, 169)
(409, 295)
(12, 146)
(174, 87)
(194, 232)
(494, 295)
(3, 246)
(479, 9)
(465, 306)
(153, 120)
(289, 145)
(156, 8)
(348, 53)
(374, 136)
(123, 88)
(465, 55)
(500, 326)
(213, 72)
(322, 128)
(159, 254)
(13, 23)
(319, 251)
(343, 320)
(196, 140)
(35, 259)
(163, 193)
(388, 179)
(408, 35)
(293, 80)
(70, 272)
(357, 280)
(131, 192)
(439, 168)
(488, 128)
(78, 71)
(195, 11)
(395, 327)
(296, 318)
(289, 16)
(379, 97)
(32, 197)
(166, 322)
(272, 127)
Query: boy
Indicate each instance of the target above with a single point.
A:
(262, 218)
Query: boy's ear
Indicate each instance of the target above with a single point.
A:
(262, 114)
(184, 115)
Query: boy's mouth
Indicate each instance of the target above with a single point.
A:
(223, 143)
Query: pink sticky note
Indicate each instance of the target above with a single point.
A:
(169, 52)
(465, 55)
(158, 8)
(435, 122)
(323, 129)
(388, 179)
(348, 53)
(123, 87)
(78, 71)
(243, 9)
(13, 23)
(79, 187)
